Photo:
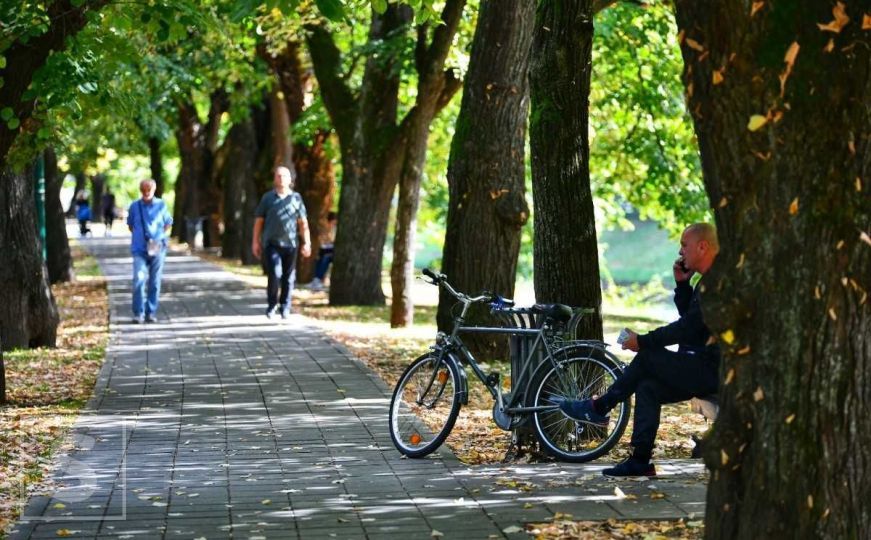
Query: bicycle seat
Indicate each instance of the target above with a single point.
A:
(554, 312)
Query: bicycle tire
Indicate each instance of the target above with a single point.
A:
(590, 369)
(415, 431)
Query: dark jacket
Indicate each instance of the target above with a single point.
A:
(689, 331)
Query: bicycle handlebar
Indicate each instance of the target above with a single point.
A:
(441, 279)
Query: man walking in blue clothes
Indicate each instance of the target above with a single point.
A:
(148, 221)
(657, 375)
(280, 219)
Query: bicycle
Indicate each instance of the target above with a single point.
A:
(428, 396)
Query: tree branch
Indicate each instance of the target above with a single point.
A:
(327, 63)
(442, 37)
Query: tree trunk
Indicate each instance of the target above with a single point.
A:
(240, 152)
(316, 182)
(565, 247)
(28, 315)
(25, 57)
(779, 97)
(156, 161)
(487, 206)
(59, 262)
(98, 185)
(435, 89)
(366, 126)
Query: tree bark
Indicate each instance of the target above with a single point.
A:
(779, 97)
(156, 162)
(24, 59)
(98, 185)
(236, 160)
(565, 248)
(487, 205)
(59, 261)
(435, 89)
(28, 315)
(197, 194)
(371, 164)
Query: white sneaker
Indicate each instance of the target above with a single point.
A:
(316, 285)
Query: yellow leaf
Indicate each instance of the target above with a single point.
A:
(793, 207)
(840, 21)
(756, 7)
(717, 77)
(817, 293)
(266, 501)
(790, 418)
(744, 350)
(858, 184)
(728, 336)
(758, 395)
(729, 376)
(832, 314)
(863, 236)
(791, 53)
(756, 122)
(723, 202)
(693, 44)
(810, 501)
(59, 506)
(866, 21)
(840, 244)
(830, 46)
(657, 495)
(65, 532)
(724, 457)
(740, 261)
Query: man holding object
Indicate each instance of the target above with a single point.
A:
(657, 375)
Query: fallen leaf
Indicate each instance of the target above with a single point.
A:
(724, 457)
(693, 44)
(756, 122)
(723, 202)
(793, 207)
(866, 21)
(740, 261)
(832, 314)
(436, 534)
(830, 46)
(729, 376)
(744, 350)
(512, 529)
(758, 395)
(619, 492)
(789, 59)
(717, 77)
(657, 495)
(840, 21)
(65, 532)
(59, 506)
(728, 337)
(266, 501)
(790, 418)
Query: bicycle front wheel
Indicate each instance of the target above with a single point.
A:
(424, 406)
(582, 372)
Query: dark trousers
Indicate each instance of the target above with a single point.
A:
(658, 377)
(279, 263)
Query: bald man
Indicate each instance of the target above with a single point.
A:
(657, 375)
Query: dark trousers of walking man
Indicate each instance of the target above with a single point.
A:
(280, 267)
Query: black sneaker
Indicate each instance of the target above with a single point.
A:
(581, 410)
(632, 466)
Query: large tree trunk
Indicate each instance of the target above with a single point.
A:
(435, 89)
(24, 57)
(366, 126)
(486, 170)
(565, 247)
(236, 161)
(28, 315)
(59, 262)
(197, 194)
(98, 185)
(780, 98)
(156, 163)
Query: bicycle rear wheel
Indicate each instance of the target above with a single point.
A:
(583, 371)
(424, 406)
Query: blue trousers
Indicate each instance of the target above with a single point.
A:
(325, 257)
(279, 263)
(147, 272)
(657, 377)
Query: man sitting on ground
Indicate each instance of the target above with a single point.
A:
(657, 375)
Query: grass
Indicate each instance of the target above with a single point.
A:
(46, 387)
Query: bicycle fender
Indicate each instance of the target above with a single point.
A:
(463, 383)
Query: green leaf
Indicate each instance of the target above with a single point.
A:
(2, 62)
(331, 9)
(43, 133)
(380, 6)
(13, 123)
(6, 113)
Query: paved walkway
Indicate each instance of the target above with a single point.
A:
(219, 423)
